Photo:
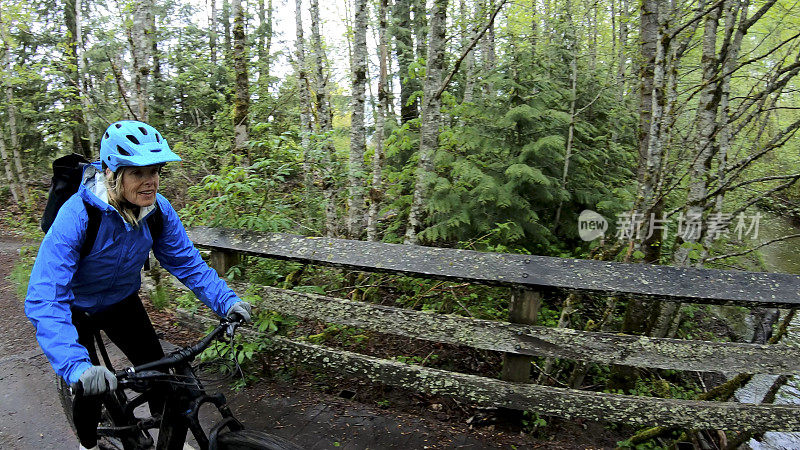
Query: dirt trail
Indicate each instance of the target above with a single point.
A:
(30, 415)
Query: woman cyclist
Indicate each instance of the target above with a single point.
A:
(69, 296)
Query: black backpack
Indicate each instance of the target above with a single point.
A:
(67, 174)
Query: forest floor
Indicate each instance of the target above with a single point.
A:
(315, 410)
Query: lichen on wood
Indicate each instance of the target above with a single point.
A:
(691, 285)
(565, 403)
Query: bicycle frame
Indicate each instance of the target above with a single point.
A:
(184, 397)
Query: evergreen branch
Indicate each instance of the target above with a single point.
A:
(468, 49)
(763, 244)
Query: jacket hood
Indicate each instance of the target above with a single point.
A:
(94, 191)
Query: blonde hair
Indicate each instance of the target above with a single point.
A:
(127, 210)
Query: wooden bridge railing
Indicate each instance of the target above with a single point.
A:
(528, 276)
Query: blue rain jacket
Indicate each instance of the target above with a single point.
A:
(110, 273)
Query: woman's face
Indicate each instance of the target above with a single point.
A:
(140, 184)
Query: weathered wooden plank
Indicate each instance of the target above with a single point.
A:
(534, 272)
(523, 309)
(566, 403)
(598, 347)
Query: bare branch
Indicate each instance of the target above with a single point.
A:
(755, 199)
(771, 241)
(468, 49)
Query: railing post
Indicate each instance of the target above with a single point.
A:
(523, 308)
(223, 261)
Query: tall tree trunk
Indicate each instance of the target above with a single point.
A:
(404, 48)
(212, 33)
(622, 56)
(305, 102)
(376, 192)
(241, 104)
(226, 30)
(80, 139)
(707, 113)
(469, 60)
(420, 24)
(355, 200)
(83, 87)
(636, 314)
(730, 59)
(488, 47)
(573, 65)
(431, 116)
(324, 122)
(141, 46)
(534, 39)
(11, 111)
(157, 83)
(696, 204)
(11, 177)
(264, 43)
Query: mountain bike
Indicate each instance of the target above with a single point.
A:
(184, 394)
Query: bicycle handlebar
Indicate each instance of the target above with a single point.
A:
(186, 354)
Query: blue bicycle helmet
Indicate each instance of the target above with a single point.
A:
(132, 143)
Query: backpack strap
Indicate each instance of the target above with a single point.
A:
(155, 221)
(92, 228)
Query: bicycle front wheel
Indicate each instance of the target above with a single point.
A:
(251, 439)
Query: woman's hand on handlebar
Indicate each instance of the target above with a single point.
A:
(240, 309)
(95, 380)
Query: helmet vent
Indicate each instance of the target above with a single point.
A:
(118, 125)
(158, 138)
(122, 151)
(133, 139)
(143, 130)
(106, 136)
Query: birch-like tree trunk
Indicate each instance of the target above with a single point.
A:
(241, 105)
(83, 85)
(573, 65)
(420, 24)
(141, 47)
(80, 139)
(729, 61)
(636, 313)
(707, 113)
(11, 177)
(305, 102)
(356, 176)
(431, 116)
(226, 30)
(376, 192)
(264, 43)
(469, 60)
(404, 49)
(212, 32)
(488, 47)
(696, 201)
(324, 122)
(622, 56)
